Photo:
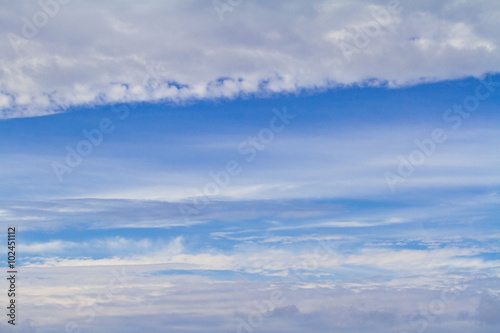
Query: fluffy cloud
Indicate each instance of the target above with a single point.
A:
(92, 52)
(83, 296)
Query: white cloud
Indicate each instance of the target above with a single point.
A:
(181, 50)
(103, 246)
(188, 302)
(267, 261)
(52, 246)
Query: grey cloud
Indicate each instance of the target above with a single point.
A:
(195, 304)
(285, 311)
(488, 310)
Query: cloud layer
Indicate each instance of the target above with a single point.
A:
(107, 245)
(73, 53)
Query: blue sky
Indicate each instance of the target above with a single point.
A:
(279, 186)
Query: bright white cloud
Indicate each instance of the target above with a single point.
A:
(94, 52)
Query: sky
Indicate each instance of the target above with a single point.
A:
(251, 166)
